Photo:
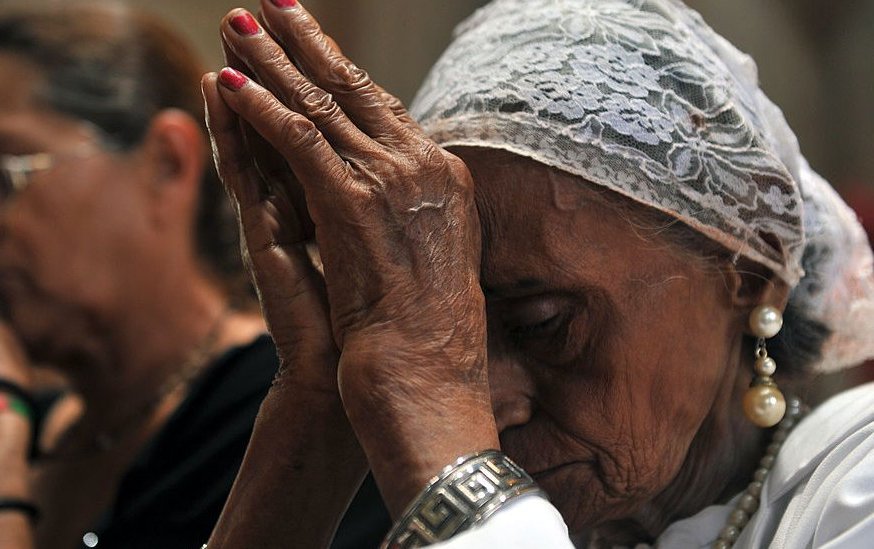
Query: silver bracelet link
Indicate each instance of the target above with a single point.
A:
(464, 494)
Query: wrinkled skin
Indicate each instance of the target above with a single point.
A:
(400, 248)
(607, 352)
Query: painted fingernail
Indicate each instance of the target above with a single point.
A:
(245, 24)
(284, 3)
(232, 79)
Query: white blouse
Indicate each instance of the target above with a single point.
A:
(819, 494)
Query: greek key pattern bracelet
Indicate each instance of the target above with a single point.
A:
(464, 494)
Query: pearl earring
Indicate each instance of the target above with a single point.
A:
(763, 403)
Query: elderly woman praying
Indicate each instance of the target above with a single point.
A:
(570, 297)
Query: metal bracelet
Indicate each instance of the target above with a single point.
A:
(464, 494)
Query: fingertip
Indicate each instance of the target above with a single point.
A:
(232, 79)
(272, 10)
(232, 14)
(281, 4)
(206, 82)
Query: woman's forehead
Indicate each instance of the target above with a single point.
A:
(538, 227)
(546, 230)
(519, 194)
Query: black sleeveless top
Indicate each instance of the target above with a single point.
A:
(172, 495)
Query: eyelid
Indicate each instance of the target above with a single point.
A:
(536, 311)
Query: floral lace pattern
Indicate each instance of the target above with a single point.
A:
(641, 97)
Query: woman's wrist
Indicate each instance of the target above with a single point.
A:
(467, 492)
(411, 431)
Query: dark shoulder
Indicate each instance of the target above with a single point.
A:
(173, 493)
(229, 392)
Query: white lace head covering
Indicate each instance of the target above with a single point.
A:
(642, 97)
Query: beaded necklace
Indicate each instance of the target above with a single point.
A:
(749, 500)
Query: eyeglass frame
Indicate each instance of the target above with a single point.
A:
(18, 168)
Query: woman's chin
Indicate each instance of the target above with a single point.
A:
(579, 494)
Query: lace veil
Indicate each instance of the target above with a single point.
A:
(642, 97)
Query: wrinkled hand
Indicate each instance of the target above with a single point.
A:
(398, 232)
(274, 245)
(302, 445)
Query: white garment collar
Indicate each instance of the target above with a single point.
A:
(805, 448)
(817, 435)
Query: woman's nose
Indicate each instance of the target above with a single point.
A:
(512, 392)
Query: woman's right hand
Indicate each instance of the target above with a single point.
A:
(303, 457)
(398, 229)
(274, 245)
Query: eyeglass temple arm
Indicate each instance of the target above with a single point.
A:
(19, 166)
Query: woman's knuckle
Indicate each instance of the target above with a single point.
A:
(432, 155)
(346, 77)
(296, 131)
(318, 104)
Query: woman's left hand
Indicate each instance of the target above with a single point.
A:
(399, 236)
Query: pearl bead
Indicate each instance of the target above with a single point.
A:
(738, 518)
(755, 488)
(765, 321)
(748, 504)
(730, 533)
(765, 366)
(764, 405)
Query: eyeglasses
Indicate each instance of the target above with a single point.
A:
(16, 170)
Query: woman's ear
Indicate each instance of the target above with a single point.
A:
(751, 284)
(175, 151)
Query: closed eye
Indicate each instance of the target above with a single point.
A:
(535, 317)
(548, 324)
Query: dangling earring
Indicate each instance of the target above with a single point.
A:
(764, 404)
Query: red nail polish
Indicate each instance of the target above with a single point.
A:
(245, 24)
(232, 79)
(284, 3)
